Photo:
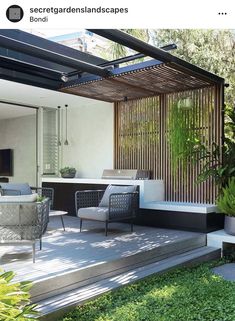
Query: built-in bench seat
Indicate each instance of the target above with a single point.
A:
(181, 215)
(181, 207)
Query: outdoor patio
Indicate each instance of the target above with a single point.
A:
(143, 104)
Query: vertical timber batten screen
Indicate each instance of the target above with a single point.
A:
(137, 135)
(142, 140)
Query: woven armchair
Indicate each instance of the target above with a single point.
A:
(23, 223)
(121, 206)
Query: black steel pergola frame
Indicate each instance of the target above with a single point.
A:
(32, 60)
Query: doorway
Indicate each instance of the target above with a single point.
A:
(18, 133)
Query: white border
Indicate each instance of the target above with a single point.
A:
(142, 14)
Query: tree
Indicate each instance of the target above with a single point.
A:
(115, 50)
(212, 50)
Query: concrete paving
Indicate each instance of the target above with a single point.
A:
(227, 271)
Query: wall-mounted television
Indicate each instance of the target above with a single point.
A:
(6, 162)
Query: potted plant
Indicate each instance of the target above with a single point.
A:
(185, 103)
(226, 204)
(68, 172)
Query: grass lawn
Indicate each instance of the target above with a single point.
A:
(181, 295)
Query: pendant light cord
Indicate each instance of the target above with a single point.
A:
(66, 124)
(59, 141)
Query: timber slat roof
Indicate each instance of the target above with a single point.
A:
(141, 82)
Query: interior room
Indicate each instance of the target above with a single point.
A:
(24, 114)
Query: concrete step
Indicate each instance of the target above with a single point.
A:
(50, 286)
(53, 308)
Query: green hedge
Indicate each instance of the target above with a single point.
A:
(189, 294)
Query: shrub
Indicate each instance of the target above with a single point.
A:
(15, 299)
(226, 202)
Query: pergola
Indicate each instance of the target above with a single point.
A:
(142, 93)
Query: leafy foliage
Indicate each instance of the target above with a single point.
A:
(219, 163)
(41, 198)
(115, 50)
(190, 294)
(226, 201)
(67, 170)
(182, 135)
(15, 299)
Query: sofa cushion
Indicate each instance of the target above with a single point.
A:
(18, 198)
(18, 214)
(93, 213)
(112, 189)
(24, 188)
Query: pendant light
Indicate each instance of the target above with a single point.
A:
(59, 138)
(66, 125)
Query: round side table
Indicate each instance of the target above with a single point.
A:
(58, 213)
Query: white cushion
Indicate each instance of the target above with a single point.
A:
(112, 189)
(94, 213)
(19, 198)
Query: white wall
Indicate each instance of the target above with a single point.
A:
(90, 136)
(19, 134)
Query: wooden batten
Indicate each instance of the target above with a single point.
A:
(141, 140)
(140, 83)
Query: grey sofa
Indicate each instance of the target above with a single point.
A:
(23, 220)
(116, 203)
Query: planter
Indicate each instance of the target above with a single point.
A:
(68, 175)
(185, 103)
(229, 225)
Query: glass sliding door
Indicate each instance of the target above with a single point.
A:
(49, 142)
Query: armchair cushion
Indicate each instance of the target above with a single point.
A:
(24, 188)
(19, 198)
(94, 213)
(112, 189)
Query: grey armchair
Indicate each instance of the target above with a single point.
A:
(23, 222)
(116, 203)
